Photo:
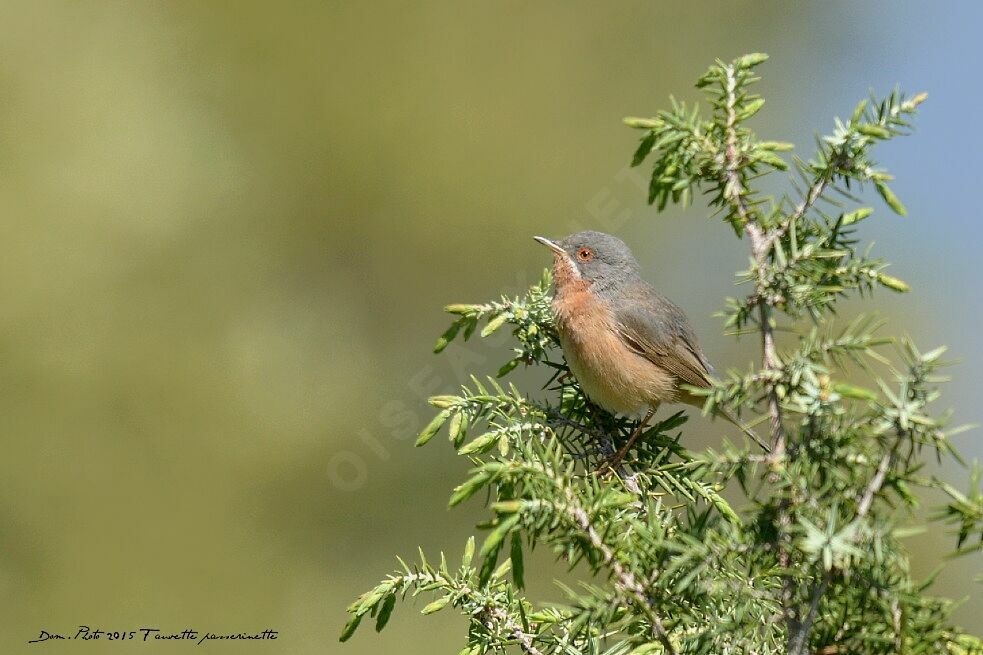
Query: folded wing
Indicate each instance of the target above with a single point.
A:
(656, 329)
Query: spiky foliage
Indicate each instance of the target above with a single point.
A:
(811, 560)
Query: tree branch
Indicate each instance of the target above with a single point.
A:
(514, 630)
(624, 580)
(798, 637)
(761, 242)
(797, 640)
(812, 196)
(867, 498)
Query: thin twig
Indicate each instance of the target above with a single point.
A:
(867, 499)
(514, 630)
(554, 417)
(761, 242)
(812, 196)
(624, 579)
(497, 616)
(797, 640)
(865, 502)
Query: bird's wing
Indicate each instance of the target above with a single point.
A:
(655, 328)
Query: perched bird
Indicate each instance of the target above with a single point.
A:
(629, 347)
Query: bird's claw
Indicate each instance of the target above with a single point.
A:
(611, 464)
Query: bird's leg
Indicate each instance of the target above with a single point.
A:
(604, 438)
(602, 430)
(615, 461)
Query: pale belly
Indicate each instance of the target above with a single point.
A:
(611, 375)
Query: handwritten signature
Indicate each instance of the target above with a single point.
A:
(87, 633)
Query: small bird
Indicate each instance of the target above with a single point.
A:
(629, 346)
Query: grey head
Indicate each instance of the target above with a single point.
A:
(598, 258)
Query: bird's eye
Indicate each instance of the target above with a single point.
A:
(585, 254)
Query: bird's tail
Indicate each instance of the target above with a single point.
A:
(700, 401)
(745, 429)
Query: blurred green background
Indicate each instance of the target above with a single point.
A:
(230, 227)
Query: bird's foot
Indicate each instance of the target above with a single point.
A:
(611, 464)
(614, 462)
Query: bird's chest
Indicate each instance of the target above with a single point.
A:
(610, 374)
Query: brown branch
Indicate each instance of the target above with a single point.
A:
(761, 242)
(797, 640)
(497, 616)
(867, 498)
(864, 503)
(815, 192)
(514, 630)
(624, 579)
(554, 418)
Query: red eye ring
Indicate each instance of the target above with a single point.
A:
(585, 254)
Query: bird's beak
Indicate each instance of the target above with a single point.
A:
(552, 245)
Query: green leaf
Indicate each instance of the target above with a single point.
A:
(480, 444)
(436, 605)
(507, 367)
(641, 123)
(751, 60)
(891, 199)
(653, 188)
(508, 506)
(918, 99)
(385, 612)
(494, 324)
(852, 391)
(502, 569)
(875, 131)
(447, 337)
(934, 354)
(858, 112)
(856, 216)
(644, 148)
(462, 309)
(724, 508)
(776, 146)
(649, 649)
(515, 554)
(503, 445)
(773, 160)
(468, 488)
(458, 428)
(750, 109)
(368, 600)
(494, 540)
(893, 283)
(350, 627)
(908, 531)
(433, 427)
(709, 494)
(488, 566)
(468, 553)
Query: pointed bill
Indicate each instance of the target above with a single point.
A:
(552, 245)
